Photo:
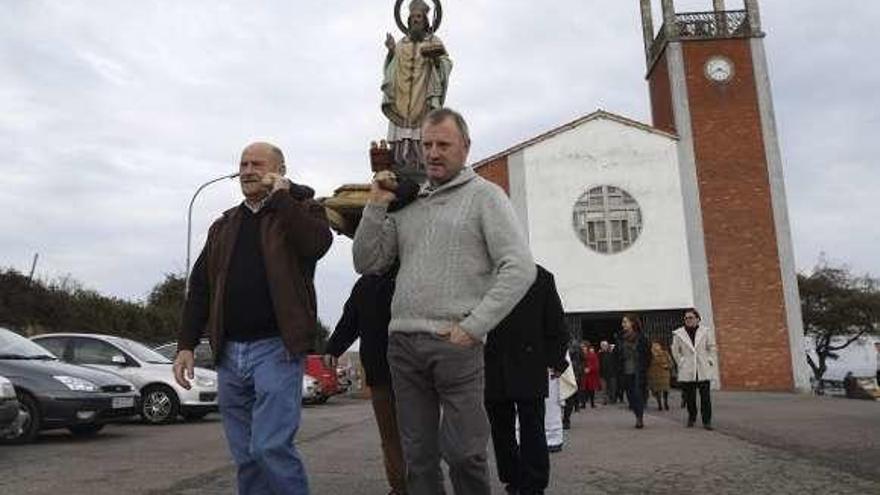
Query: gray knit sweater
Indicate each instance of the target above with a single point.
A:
(463, 258)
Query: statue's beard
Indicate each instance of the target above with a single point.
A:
(417, 32)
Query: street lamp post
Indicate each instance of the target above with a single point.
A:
(189, 220)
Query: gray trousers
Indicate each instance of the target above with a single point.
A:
(440, 411)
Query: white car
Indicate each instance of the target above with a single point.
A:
(162, 399)
(311, 392)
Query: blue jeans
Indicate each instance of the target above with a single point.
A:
(260, 393)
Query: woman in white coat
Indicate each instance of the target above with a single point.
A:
(693, 348)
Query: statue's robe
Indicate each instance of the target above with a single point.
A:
(413, 86)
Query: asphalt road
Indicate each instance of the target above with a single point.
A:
(764, 443)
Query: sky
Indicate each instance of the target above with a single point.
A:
(113, 112)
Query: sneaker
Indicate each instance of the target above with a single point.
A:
(554, 448)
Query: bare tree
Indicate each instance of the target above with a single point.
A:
(839, 308)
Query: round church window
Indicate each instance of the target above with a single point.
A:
(607, 219)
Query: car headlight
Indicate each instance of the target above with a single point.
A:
(205, 382)
(77, 384)
(7, 391)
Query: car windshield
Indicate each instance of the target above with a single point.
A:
(167, 350)
(14, 346)
(141, 352)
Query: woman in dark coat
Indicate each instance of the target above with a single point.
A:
(635, 357)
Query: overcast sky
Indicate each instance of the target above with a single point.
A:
(112, 112)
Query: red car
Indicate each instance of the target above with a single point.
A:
(326, 377)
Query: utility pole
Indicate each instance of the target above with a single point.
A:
(33, 267)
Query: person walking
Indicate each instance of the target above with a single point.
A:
(366, 315)
(634, 356)
(608, 370)
(518, 354)
(693, 347)
(252, 292)
(592, 370)
(572, 403)
(659, 374)
(464, 265)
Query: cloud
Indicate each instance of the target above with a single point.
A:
(113, 112)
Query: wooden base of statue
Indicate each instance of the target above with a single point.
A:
(345, 207)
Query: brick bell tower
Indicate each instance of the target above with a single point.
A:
(709, 84)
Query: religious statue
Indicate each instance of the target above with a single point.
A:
(416, 78)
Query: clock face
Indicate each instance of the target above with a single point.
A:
(719, 69)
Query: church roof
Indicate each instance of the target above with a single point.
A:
(598, 114)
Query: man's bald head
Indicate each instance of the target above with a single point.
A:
(266, 149)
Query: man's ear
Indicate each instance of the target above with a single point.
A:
(282, 170)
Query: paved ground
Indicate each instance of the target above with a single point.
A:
(764, 443)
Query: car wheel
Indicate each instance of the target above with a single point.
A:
(159, 405)
(85, 430)
(322, 399)
(29, 415)
(193, 416)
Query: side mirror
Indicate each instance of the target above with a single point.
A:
(119, 359)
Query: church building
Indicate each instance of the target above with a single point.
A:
(688, 211)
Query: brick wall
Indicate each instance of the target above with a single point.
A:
(662, 114)
(744, 271)
(496, 171)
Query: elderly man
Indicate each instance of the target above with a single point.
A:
(416, 78)
(464, 265)
(251, 292)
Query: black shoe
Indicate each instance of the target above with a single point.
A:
(566, 425)
(554, 448)
(708, 427)
(639, 424)
(690, 423)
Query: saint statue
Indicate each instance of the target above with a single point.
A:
(415, 82)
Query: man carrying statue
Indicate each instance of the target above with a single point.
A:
(415, 82)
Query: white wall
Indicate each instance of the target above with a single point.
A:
(653, 273)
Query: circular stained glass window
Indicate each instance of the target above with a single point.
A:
(607, 219)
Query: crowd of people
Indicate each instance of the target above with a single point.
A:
(463, 335)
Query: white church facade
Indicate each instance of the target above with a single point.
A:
(688, 211)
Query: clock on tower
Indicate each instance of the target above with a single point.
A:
(709, 84)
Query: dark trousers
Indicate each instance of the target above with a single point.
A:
(609, 385)
(567, 409)
(635, 394)
(430, 375)
(386, 418)
(689, 390)
(524, 467)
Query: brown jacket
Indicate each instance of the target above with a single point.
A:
(294, 234)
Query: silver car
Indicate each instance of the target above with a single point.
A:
(162, 399)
